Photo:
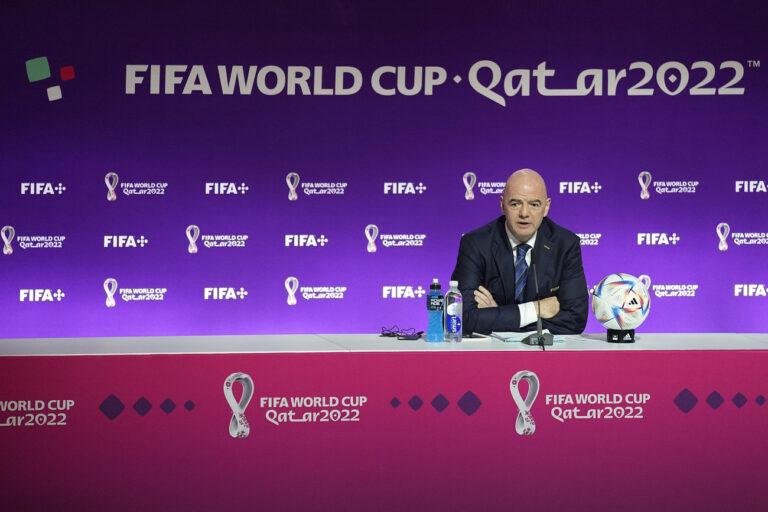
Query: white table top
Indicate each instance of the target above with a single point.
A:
(318, 343)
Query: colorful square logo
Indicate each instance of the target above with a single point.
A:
(54, 93)
(67, 72)
(39, 69)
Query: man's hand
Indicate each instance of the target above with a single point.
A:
(484, 298)
(549, 307)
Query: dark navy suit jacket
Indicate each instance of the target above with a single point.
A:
(486, 258)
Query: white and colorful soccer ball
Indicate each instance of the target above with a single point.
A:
(621, 302)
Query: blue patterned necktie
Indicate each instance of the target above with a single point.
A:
(521, 271)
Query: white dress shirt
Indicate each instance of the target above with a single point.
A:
(527, 309)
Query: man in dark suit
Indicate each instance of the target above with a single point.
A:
(494, 266)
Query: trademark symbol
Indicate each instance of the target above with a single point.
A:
(753, 63)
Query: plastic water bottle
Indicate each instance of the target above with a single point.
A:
(453, 306)
(435, 302)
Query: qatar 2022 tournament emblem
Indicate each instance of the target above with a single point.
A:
(645, 181)
(193, 232)
(645, 280)
(238, 424)
(524, 424)
(291, 285)
(111, 180)
(7, 233)
(371, 232)
(469, 180)
(292, 180)
(722, 231)
(110, 288)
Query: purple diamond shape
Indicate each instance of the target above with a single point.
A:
(469, 403)
(715, 400)
(142, 406)
(189, 405)
(739, 400)
(394, 403)
(685, 400)
(111, 407)
(760, 400)
(168, 406)
(415, 402)
(440, 403)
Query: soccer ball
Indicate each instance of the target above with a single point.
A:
(621, 302)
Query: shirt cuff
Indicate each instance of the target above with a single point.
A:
(527, 313)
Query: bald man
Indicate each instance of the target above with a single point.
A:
(495, 273)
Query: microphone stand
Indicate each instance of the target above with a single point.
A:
(539, 338)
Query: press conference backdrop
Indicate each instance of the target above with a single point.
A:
(307, 167)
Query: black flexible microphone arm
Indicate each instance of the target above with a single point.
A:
(539, 338)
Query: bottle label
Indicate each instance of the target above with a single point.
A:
(453, 323)
(434, 302)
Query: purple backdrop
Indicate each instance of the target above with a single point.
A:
(399, 159)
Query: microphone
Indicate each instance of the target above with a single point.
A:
(539, 338)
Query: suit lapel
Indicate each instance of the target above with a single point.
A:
(505, 261)
(542, 256)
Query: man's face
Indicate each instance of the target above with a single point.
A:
(524, 204)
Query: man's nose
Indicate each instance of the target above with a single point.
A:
(524, 212)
